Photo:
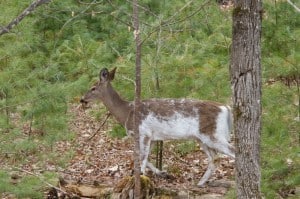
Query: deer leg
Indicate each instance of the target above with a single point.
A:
(210, 168)
(229, 150)
(154, 169)
(144, 152)
(225, 148)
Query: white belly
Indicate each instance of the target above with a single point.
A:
(177, 126)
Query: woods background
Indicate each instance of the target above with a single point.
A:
(49, 59)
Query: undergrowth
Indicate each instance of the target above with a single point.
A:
(280, 147)
(24, 186)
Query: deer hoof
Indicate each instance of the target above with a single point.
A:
(162, 174)
(165, 175)
(201, 184)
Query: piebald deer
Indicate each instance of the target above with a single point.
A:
(165, 119)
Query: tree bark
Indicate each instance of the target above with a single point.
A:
(246, 87)
(26, 12)
(137, 101)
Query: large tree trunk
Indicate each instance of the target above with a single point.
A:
(246, 87)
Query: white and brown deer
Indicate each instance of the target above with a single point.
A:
(166, 119)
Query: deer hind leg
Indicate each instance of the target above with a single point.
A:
(211, 166)
(224, 147)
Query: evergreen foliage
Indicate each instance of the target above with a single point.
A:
(55, 54)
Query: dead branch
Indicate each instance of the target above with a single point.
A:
(26, 12)
(92, 3)
(293, 5)
(107, 116)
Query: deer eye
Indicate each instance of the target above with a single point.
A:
(93, 89)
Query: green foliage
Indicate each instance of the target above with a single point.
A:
(117, 132)
(184, 148)
(24, 186)
(281, 40)
(279, 138)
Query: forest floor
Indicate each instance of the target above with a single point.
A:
(102, 159)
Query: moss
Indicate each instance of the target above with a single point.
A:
(126, 185)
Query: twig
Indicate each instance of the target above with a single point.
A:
(26, 12)
(92, 3)
(169, 21)
(128, 79)
(41, 179)
(74, 17)
(144, 8)
(292, 4)
(178, 12)
(117, 18)
(107, 116)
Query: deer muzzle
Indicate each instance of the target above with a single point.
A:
(84, 103)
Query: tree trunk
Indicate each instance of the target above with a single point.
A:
(246, 87)
(137, 101)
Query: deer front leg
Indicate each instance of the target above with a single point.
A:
(145, 148)
(154, 169)
(144, 152)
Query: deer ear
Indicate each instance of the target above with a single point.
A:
(104, 75)
(112, 73)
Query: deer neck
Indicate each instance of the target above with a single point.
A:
(118, 107)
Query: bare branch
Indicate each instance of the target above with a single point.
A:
(74, 17)
(292, 4)
(178, 12)
(92, 3)
(26, 12)
(170, 22)
(99, 128)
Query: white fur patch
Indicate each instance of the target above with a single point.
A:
(176, 126)
(223, 128)
(223, 131)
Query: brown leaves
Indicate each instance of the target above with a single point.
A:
(89, 191)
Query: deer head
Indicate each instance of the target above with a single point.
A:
(100, 90)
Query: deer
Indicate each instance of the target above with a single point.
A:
(207, 122)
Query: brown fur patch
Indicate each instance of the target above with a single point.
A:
(208, 112)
